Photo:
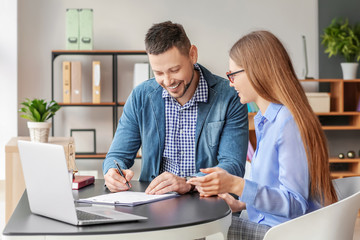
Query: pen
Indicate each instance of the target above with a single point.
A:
(121, 173)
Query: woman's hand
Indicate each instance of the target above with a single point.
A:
(234, 204)
(217, 181)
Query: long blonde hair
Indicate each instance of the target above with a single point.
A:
(271, 73)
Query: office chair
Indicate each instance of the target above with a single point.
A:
(346, 186)
(333, 222)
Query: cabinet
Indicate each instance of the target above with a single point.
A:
(343, 116)
(15, 184)
(109, 76)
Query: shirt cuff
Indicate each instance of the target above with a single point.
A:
(249, 192)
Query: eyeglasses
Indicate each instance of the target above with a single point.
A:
(230, 75)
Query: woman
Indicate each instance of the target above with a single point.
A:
(290, 173)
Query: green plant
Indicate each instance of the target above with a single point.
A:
(38, 110)
(342, 38)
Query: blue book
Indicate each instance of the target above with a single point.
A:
(248, 107)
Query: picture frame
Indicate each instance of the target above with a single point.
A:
(85, 141)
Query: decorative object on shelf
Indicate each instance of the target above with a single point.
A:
(350, 154)
(141, 73)
(344, 39)
(79, 29)
(38, 111)
(306, 70)
(319, 101)
(85, 140)
(341, 156)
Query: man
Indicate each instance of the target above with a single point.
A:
(184, 119)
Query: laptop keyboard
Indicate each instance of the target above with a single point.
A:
(85, 216)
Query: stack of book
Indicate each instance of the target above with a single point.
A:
(250, 152)
(252, 107)
(82, 181)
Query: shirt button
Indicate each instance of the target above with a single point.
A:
(152, 176)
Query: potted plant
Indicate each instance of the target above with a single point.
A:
(38, 111)
(344, 39)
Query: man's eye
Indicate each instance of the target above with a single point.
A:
(175, 71)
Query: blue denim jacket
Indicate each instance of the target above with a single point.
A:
(221, 131)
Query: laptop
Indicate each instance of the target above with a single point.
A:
(49, 188)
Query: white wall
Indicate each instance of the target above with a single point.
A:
(8, 76)
(213, 26)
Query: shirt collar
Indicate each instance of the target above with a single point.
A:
(201, 92)
(270, 113)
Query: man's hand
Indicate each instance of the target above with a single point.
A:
(115, 182)
(168, 182)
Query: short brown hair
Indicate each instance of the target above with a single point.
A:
(163, 36)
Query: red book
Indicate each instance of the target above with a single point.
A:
(82, 181)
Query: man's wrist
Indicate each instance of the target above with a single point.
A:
(192, 186)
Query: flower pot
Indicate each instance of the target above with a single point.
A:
(39, 131)
(349, 70)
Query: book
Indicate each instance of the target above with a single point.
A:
(66, 71)
(76, 93)
(126, 198)
(96, 75)
(250, 152)
(82, 181)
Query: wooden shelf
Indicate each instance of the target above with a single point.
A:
(338, 113)
(330, 80)
(342, 174)
(95, 156)
(344, 98)
(345, 160)
(88, 104)
(90, 156)
(100, 51)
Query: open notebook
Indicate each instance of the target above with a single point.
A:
(127, 198)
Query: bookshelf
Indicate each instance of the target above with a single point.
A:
(344, 99)
(114, 104)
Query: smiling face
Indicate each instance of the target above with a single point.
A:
(242, 84)
(175, 73)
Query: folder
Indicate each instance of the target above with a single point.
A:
(96, 81)
(72, 29)
(66, 70)
(86, 29)
(141, 73)
(76, 93)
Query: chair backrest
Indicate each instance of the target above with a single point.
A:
(346, 187)
(332, 222)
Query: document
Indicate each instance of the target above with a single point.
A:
(127, 198)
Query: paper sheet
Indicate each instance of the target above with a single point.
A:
(127, 198)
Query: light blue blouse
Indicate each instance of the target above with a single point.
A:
(279, 187)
